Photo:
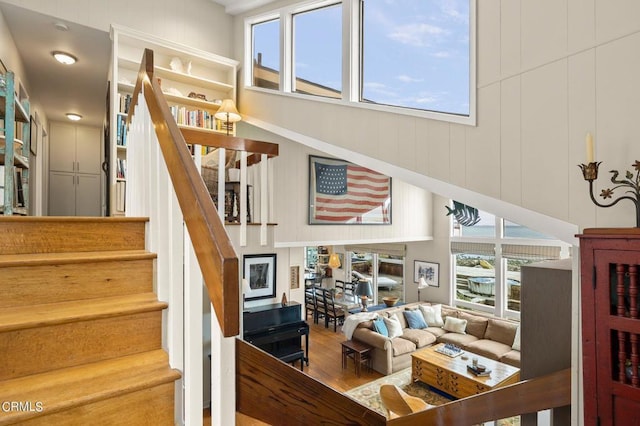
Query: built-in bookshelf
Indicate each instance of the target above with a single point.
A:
(194, 83)
(14, 146)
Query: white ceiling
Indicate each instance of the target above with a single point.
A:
(234, 7)
(80, 88)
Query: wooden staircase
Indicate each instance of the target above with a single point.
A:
(80, 324)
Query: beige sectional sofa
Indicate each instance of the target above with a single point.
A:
(485, 335)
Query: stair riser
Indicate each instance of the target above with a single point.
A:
(23, 286)
(152, 406)
(47, 348)
(49, 235)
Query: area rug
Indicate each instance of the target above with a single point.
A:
(369, 394)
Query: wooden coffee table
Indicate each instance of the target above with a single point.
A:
(450, 375)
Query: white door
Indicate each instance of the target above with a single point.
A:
(62, 194)
(88, 195)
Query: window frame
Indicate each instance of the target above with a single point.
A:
(500, 308)
(351, 69)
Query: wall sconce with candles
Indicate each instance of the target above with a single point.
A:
(228, 113)
(590, 174)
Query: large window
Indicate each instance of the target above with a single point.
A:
(416, 54)
(266, 54)
(488, 259)
(401, 56)
(317, 46)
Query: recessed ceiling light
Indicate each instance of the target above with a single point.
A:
(64, 58)
(73, 116)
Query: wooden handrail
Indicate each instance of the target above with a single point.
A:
(216, 140)
(214, 250)
(276, 393)
(272, 391)
(530, 396)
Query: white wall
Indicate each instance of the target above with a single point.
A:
(548, 72)
(410, 211)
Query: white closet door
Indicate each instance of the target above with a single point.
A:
(62, 194)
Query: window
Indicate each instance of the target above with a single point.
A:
(317, 47)
(416, 54)
(488, 260)
(400, 56)
(266, 54)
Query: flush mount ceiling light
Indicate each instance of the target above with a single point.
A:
(73, 116)
(64, 58)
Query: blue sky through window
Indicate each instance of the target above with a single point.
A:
(416, 52)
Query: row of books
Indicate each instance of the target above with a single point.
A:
(199, 118)
(121, 168)
(124, 101)
(121, 130)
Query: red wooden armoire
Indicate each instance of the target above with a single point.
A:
(610, 326)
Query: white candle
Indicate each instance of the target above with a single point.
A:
(590, 148)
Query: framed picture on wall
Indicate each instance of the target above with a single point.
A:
(344, 193)
(294, 277)
(260, 272)
(430, 271)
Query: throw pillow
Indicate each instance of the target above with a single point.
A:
(415, 319)
(455, 325)
(432, 315)
(394, 327)
(380, 327)
(516, 340)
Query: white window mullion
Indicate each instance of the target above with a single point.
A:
(286, 57)
(351, 50)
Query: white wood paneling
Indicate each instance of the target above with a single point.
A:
(510, 37)
(581, 25)
(543, 31)
(615, 19)
(510, 141)
(617, 112)
(439, 152)
(483, 144)
(582, 119)
(488, 42)
(544, 139)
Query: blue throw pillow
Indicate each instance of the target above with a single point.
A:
(380, 326)
(415, 319)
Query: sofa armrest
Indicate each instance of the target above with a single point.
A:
(372, 338)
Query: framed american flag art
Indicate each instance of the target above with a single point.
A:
(343, 193)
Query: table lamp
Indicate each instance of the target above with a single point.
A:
(364, 291)
(228, 113)
(334, 261)
(422, 284)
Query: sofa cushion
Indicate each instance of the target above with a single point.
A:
(476, 325)
(448, 312)
(489, 348)
(402, 346)
(415, 319)
(380, 327)
(455, 325)
(432, 315)
(512, 358)
(457, 339)
(420, 338)
(399, 315)
(393, 325)
(501, 331)
(436, 331)
(516, 340)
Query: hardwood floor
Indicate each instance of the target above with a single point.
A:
(325, 365)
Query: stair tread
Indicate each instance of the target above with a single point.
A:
(7, 260)
(22, 317)
(74, 386)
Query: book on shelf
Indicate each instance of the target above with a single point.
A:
(17, 179)
(193, 117)
(121, 130)
(124, 101)
(121, 168)
(1, 184)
